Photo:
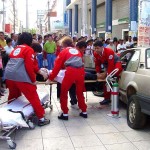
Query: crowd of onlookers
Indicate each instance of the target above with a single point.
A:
(51, 48)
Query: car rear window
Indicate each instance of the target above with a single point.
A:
(148, 58)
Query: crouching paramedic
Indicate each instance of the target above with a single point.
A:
(74, 74)
(21, 78)
(111, 61)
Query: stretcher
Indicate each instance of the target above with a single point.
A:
(90, 85)
(17, 114)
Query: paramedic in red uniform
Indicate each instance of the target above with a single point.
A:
(108, 57)
(72, 59)
(21, 78)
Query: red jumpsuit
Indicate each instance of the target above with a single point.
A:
(72, 59)
(111, 60)
(20, 78)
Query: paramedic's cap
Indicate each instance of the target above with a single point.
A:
(98, 43)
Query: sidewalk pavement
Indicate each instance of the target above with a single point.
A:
(97, 132)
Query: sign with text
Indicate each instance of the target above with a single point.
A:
(52, 14)
(144, 23)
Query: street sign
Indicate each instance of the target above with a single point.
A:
(52, 14)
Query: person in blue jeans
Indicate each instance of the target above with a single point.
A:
(50, 49)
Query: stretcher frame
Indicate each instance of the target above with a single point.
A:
(6, 131)
(55, 82)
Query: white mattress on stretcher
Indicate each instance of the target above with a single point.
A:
(20, 104)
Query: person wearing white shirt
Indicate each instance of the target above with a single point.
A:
(8, 48)
(89, 49)
(111, 45)
(14, 40)
(129, 42)
(121, 47)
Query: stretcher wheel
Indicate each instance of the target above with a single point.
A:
(31, 124)
(11, 144)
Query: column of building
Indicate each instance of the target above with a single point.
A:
(76, 20)
(84, 18)
(133, 18)
(70, 17)
(94, 17)
(108, 24)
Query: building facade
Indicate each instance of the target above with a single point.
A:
(102, 17)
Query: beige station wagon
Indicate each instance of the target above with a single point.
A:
(134, 85)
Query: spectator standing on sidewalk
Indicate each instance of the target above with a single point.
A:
(2, 40)
(111, 45)
(50, 49)
(8, 48)
(121, 46)
(14, 40)
(129, 42)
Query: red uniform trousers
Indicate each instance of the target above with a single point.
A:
(29, 91)
(73, 75)
(107, 93)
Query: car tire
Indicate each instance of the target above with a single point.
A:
(135, 118)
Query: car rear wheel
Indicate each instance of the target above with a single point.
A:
(135, 118)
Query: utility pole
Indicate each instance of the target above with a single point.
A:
(40, 26)
(48, 16)
(27, 24)
(14, 10)
(3, 16)
(84, 18)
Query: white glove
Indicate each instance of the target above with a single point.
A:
(44, 73)
(48, 82)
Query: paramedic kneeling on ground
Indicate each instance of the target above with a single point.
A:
(21, 78)
(111, 61)
(72, 59)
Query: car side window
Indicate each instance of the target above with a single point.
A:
(126, 58)
(148, 58)
(134, 62)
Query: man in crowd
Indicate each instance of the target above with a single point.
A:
(2, 40)
(129, 42)
(8, 48)
(14, 38)
(121, 47)
(50, 48)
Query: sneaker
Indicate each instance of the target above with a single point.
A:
(105, 102)
(83, 115)
(43, 123)
(62, 117)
